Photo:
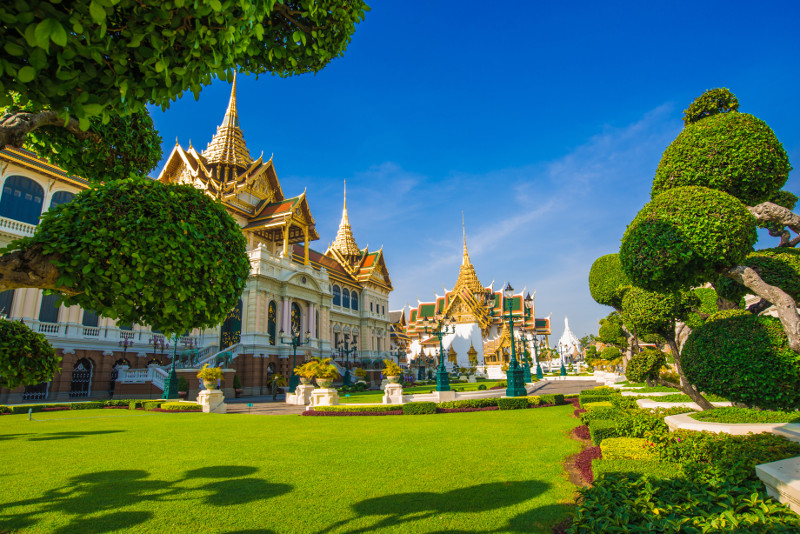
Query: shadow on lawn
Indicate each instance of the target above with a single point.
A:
(55, 435)
(92, 502)
(409, 507)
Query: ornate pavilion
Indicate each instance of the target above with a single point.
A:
(332, 300)
(481, 336)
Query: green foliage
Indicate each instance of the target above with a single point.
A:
(611, 332)
(645, 365)
(26, 357)
(512, 403)
(469, 403)
(556, 399)
(152, 405)
(102, 244)
(639, 504)
(778, 267)
(710, 103)
(607, 281)
(651, 311)
(651, 469)
(745, 358)
(627, 449)
(684, 236)
(731, 152)
(391, 368)
(645, 423)
(706, 304)
(209, 373)
(419, 408)
(359, 409)
(237, 382)
(101, 59)
(732, 414)
(481, 387)
(599, 413)
(610, 354)
(591, 406)
(600, 429)
(594, 396)
(181, 407)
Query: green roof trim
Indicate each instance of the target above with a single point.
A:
(427, 310)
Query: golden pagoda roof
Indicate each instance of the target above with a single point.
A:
(345, 243)
(467, 277)
(227, 147)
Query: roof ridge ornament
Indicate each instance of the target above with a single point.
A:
(228, 146)
(345, 243)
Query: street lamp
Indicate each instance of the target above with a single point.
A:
(529, 309)
(440, 326)
(526, 367)
(294, 380)
(514, 379)
(346, 351)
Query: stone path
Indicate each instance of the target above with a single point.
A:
(564, 386)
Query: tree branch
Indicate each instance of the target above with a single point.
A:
(15, 126)
(770, 212)
(31, 268)
(784, 304)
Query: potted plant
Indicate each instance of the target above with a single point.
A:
(277, 381)
(183, 387)
(392, 371)
(361, 374)
(237, 385)
(305, 372)
(324, 371)
(210, 376)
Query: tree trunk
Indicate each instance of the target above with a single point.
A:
(784, 304)
(29, 267)
(14, 127)
(686, 386)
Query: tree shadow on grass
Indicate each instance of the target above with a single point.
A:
(94, 502)
(540, 519)
(409, 507)
(55, 435)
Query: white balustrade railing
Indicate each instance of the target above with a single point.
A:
(210, 359)
(134, 376)
(49, 328)
(159, 377)
(17, 227)
(89, 331)
(126, 334)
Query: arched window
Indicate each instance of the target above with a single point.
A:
(21, 200)
(345, 298)
(231, 331)
(6, 301)
(272, 313)
(354, 300)
(337, 296)
(48, 311)
(61, 197)
(81, 379)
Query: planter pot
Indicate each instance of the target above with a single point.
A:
(210, 384)
(325, 383)
(305, 381)
(238, 392)
(393, 379)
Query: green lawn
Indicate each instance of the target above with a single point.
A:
(376, 396)
(112, 470)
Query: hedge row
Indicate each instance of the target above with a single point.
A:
(420, 408)
(180, 407)
(161, 405)
(627, 449)
(366, 409)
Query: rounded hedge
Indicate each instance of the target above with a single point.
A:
(745, 358)
(26, 357)
(684, 236)
(610, 353)
(706, 304)
(645, 365)
(607, 281)
(147, 253)
(650, 312)
(710, 103)
(732, 152)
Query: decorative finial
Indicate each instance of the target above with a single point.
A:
(465, 260)
(176, 141)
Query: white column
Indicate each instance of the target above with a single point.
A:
(285, 326)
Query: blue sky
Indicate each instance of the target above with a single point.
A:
(543, 122)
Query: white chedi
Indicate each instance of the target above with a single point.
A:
(568, 343)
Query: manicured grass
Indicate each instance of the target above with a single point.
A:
(94, 471)
(657, 389)
(745, 415)
(682, 397)
(376, 396)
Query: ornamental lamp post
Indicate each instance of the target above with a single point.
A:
(440, 326)
(294, 380)
(529, 308)
(514, 379)
(346, 351)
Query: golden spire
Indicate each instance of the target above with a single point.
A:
(465, 260)
(345, 243)
(467, 278)
(227, 147)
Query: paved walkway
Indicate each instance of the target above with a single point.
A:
(564, 386)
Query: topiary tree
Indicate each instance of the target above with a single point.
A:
(745, 358)
(607, 281)
(710, 103)
(26, 357)
(645, 366)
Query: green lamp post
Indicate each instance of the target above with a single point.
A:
(526, 367)
(514, 378)
(294, 380)
(171, 383)
(529, 309)
(440, 326)
(346, 351)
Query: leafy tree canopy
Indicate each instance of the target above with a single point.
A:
(651, 312)
(645, 365)
(26, 358)
(611, 332)
(144, 252)
(684, 236)
(607, 281)
(101, 58)
(706, 305)
(710, 103)
(732, 152)
(745, 358)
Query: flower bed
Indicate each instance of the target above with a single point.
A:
(583, 462)
(336, 414)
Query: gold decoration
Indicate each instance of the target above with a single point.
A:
(345, 243)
